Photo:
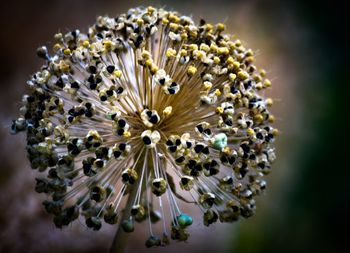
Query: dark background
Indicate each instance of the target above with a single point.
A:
(303, 47)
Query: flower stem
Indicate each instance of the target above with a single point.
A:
(121, 237)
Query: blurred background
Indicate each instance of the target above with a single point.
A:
(302, 45)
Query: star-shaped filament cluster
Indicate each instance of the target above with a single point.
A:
(149, 107)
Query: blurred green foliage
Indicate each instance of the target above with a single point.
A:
(313, 215)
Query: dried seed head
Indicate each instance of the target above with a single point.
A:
(152, 104)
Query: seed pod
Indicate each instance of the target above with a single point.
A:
(159, 186)
(93, 222)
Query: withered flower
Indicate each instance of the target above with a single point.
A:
(150, 107)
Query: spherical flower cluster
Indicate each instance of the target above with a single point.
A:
(152, 108)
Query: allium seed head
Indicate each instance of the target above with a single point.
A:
(151, 107)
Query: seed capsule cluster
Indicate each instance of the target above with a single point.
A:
(151, 106)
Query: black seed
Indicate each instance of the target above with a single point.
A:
(205, 151)
(81, 111)
(117, 154)
(113, 116)
(171, 91)
(210, 201)
(120, 132)
(231, 159)
(88, 105)
(194, 173)
(75, 151)
(122, 146)
(103, 98)
(233, 89)
(172, 148)
(94, 223)
(198, 148)
(153, 119)
(110, 69)
(269, 137)
(191, 164)
(53, 173)
(121, 123)
(125, 177)
(61, 161)
(28, 115)
(243, 171)
(70, 146)
(147, 140)
(178, 142)
(99, 163)
(223, 159)
(60, 83)
(93, 86)
(109, 93)
(259, 136)
(74, 85)
(105, 151)
(180, 159)
(207, 131)
(184, 180)
(92, 69)
(200, 128)
(120, 90)
(88, 114)
(198, 167)
(149, 114)
(228, 122)
(169, 143)
(91, 79)
(30, 99)
(189, 144)
(245, 148)
(156, 184)
(162, 81)
(206, 166)
(213, 171)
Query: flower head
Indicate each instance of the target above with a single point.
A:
(150, 107)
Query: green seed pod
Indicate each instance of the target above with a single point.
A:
(209, 217)
(186, 183)
(128, 225)
(219, 141)
(184, 220)
(159, 186)
(98, 193)
(179, 234)
(153, 241)
(93, 222)
(207, 199)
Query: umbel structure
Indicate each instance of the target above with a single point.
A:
(146, 110)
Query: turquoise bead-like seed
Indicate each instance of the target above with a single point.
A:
(184, 220)
(220, 141)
